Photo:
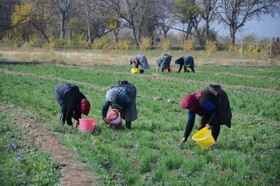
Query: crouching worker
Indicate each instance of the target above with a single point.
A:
(164, 63)
(186, 61)
(72, 102)
(122, 97)
(140, 62)
(212, 105)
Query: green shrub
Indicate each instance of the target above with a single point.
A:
(51, 44)
(188, 45)
(35, 41)
(145, 43)
(166, 44)
(122, 45)
(211, 47)
(80, 42)
(101, 43)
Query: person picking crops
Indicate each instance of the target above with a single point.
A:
(187, 62)
(122, 97)
(140, 62)
(72, 102)
(164, 63)
(212, 105)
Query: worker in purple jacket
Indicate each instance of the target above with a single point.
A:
(72, 102)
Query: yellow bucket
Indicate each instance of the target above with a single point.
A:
(204, 138)
(134, 70)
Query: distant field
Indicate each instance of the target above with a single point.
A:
(121, 57)
(149, 154)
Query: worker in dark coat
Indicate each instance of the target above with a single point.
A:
(187, 62)
(122, 97)
(72, 102)
(212, 105)
(141, 62)
(164, 62)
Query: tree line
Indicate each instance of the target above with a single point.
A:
(135, 19)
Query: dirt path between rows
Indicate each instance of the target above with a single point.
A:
(72, 173)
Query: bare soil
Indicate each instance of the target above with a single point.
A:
(72, 173)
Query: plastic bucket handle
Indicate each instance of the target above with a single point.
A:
(205, 137)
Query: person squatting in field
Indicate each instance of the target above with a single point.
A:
(164, 62)
(140, 62)
(212, 105)
(72, 102)
(186, 61)
(122, 97)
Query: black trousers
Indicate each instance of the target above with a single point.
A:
(185, 68)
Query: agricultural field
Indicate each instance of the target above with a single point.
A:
(149, 153)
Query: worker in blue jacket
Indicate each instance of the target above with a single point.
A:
(187, 62)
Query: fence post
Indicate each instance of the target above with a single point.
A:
(241, 49)
(270, 48)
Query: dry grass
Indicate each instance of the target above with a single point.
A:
(120, 57)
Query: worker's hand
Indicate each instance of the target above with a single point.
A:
(77, 124)
(61, 119)
(106, 121)
(183, 140)
(208, 126)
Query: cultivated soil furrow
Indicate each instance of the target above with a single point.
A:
(72, 173)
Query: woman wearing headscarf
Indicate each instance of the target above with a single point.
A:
(187, 62)
(140, 62)
(164, 62)
(72, 102)
(212, 105)
(122, 97)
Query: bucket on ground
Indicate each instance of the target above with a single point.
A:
(168, 71)
(87, 124)
(204, 138)
(134, 70)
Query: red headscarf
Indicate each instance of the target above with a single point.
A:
(191, 102)
(85, 106)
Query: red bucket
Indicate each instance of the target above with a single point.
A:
(87, 124)
(114, 117)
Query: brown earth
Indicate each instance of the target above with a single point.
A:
(72, 173)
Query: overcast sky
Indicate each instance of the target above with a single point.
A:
(267, 27)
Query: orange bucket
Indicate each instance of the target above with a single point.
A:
(167, 70)
(87, 124)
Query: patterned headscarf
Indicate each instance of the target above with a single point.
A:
(111, 95)
(131, 60)
(85, 106)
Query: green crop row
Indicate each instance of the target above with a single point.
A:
(149, 154)
(22, 163)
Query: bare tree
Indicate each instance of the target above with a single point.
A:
(188, 13)
(131, 13)
(6, 11)
(64, 9)
(166, 17)
(208, 13)
(235, 13)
